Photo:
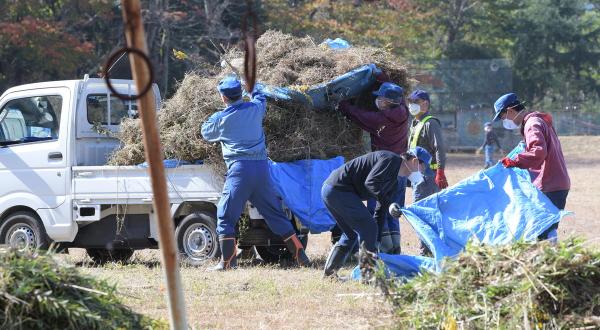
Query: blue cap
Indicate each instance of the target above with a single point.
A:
(419, 94)
(389, 91)
(424, 156)
(505, 101)
(230, 87)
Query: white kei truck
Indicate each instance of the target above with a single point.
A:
(55, 185)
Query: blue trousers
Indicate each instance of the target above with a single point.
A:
(489, 155)
(391, 225)
(352, 216)
(250, 180)
(559, 199)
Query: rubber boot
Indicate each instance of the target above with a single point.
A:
(336, 259)
(552, 237)
(424, 250)
(395, 237)
(228, 246)
(386, 245)
(297, 250)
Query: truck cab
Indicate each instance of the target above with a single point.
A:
(55, 186)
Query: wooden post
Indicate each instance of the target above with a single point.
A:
(134, 32)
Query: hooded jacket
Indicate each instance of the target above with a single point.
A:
(543, 155)
(388, 128)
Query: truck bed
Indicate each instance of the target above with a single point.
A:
(131, 184)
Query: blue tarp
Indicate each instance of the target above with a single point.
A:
(348, 85)
(172, 163)
(495, 206)
(337, 43)
(299, 184)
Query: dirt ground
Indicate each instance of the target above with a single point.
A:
(270, 297)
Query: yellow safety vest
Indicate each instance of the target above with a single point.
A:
(415, 133)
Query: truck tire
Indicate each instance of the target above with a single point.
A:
(100, 256)
(197, 238)
(274, 254)
(23, 231)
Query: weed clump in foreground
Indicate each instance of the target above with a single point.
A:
(525, 285)
(36, 292)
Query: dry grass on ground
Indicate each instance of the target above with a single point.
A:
(270, 297)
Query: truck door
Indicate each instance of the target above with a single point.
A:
(33, 146)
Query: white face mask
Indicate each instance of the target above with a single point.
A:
(509, 124)
(414, 108)
(379, 103)
(488, 128)
(415, 177)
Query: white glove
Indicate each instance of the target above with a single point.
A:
(395, 210)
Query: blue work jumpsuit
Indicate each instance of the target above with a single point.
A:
(239, 130)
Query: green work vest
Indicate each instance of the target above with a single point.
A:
(415, 133)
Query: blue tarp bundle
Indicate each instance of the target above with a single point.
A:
(348, 85)
(495, 206)
(299, 183)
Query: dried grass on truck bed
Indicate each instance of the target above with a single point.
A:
(292, 131)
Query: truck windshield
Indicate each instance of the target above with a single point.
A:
(30, 119)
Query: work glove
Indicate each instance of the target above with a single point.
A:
(440, 179)
(258, 88)
(395, 210)
(507, 162)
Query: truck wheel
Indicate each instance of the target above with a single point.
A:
(197, 238)
(101, 256)
(274, 254)
(24, 231)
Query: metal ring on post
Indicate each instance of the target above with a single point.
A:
(113, 59)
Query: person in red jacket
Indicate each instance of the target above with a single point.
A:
(388, 128)
(543, 155)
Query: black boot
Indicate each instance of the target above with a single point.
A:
(228, 246)
(297, 250)
(424, 250)
(336, 259)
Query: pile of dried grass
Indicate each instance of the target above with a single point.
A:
(519, 286)
(38, 292)
(293, 132)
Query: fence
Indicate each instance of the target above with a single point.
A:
(462, 97)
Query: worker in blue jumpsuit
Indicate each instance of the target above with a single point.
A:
(374, 175)
(239, 130)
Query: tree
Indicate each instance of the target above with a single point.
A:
(63, 39)
(50, 40)
(385, 24)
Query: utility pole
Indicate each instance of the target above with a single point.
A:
(136, 39)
